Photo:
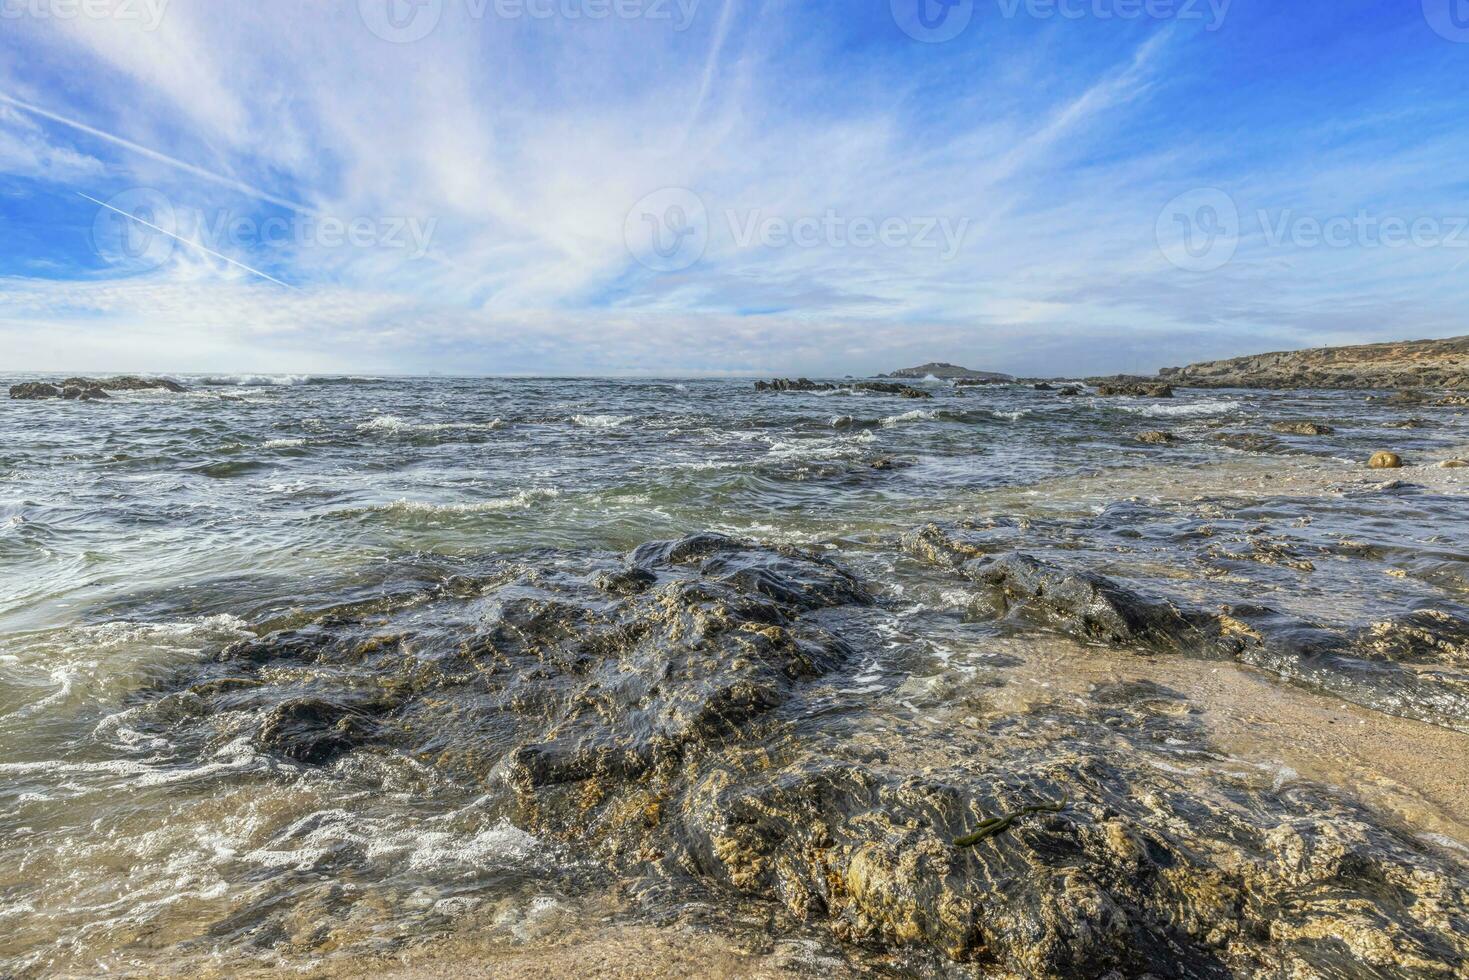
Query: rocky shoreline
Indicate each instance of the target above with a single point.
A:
(1439, 364)
(669, 712)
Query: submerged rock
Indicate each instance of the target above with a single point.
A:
(1252, 442)
(1157, 438)
(1302, 428)
(1385, 461)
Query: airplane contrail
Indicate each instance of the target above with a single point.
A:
(177, 238)
(160, 157)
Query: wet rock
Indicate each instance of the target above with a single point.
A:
(1135, 390)
(88, 394)
(1425, 636)
(1408, 424)
(128, 383)
(1454, 464)
(34, 391)
(1071, 392)
(879, 387)
(1157, 438)
(682, 730)
(799, 384)
(1043, 386)
(1095, 608)
(1385, 461)
(313, 730)
(1302, 428)
(1253, 442)
(90, 389)
(891, 388)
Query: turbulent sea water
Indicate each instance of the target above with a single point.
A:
(142, 536)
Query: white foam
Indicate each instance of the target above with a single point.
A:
(917, 415)
(252, 380)
(397, 425)
(1184, 409)
(521, 499)
(600, 421)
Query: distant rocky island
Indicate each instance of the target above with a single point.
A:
(949, 372)
(1404, 364)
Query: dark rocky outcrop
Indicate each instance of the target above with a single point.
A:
(34, 391)
(671, 716)
(127, 383)
(877, 387)
(797, 384)
(1094, 608)
(90, 389)
(1147, 390)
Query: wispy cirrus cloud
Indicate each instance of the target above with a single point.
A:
(522, 144)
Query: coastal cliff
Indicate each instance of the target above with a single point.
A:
(1404, 364)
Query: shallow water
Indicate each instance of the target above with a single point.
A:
(142, 535)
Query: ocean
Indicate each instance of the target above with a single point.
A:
(261, 643)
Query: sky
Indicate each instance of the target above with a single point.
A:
(725, 187)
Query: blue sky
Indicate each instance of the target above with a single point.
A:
(725, 186)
